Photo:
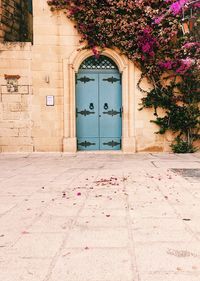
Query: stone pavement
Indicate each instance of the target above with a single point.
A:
(99, 217)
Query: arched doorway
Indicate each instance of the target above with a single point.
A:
(98, 105)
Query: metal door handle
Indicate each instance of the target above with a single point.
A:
(91, 106)
(105, 106)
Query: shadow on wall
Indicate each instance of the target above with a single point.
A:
(16, 21)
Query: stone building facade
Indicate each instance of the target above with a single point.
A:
(38, 91)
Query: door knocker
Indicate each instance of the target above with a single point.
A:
(105, 106)
(91, 106)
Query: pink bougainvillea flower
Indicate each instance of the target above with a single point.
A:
(152, 54)
(74, 10)
(159, 19)
(167, 64)
(147, 42)
(197, 5)
(177, 6)
(25, 232)
(191, 44)
(185, 65)
(95, 52)
(146, 47)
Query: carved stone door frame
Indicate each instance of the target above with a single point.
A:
(126, 68)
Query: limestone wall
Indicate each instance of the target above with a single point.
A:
(15, 98)
(146, 139)
(54, 40)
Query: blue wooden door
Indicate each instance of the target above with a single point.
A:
(98, 111)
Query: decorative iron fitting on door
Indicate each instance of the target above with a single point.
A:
(105, 106)
(86, 143)
(112, 80)
(113, 112)
(91, 106)
(85, 79)
(84, 112)
(112, 143)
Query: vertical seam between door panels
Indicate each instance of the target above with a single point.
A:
(99, 108)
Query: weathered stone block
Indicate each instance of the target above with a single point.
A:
(6, 124)
(6, 115)
(25, 132)
(9, 132)
(19, 141)
(11, 98)
(17, 148)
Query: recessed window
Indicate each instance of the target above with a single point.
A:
(30, 6)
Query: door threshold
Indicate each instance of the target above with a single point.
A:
(101, 152)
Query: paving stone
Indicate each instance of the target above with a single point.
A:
(102, 221)
(38, 245)
(158, 230)
(20, 269)
(170, 277)
(168, 257)
(51, 224)
(152, 209)
(93, 264)
(101, 237)
(99, 217)
(93, 212)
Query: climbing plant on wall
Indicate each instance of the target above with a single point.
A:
(150, 33)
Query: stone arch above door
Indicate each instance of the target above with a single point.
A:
(78, 57)
(100, 63)
(70, 68)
